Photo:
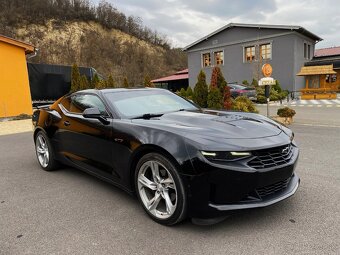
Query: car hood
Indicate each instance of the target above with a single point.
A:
(215, 124)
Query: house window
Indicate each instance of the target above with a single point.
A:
(218, 57)
(307, 51)
(314, 82)
(206, 59)
(266, 51)
(249, 55)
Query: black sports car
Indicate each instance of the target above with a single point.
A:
(180, 161)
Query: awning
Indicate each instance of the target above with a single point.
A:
(316, 70)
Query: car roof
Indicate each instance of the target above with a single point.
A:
(115, 90)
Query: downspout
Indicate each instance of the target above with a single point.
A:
(32, 55)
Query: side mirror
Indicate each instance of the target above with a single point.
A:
(91, 113)
(94, 113)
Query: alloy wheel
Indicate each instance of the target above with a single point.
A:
(157, 189)
(42, 151)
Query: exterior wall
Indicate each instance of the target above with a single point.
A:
(15, 97)
(300, 60)
(287, 55)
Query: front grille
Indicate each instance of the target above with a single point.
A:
(271, 157)
(273, 188)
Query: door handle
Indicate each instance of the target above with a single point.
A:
(67, 123)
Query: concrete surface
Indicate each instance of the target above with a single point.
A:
(15, 126)
(70, 212)
(326, 116)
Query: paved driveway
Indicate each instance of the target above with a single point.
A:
(70, 212)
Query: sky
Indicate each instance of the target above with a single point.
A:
(185, 21)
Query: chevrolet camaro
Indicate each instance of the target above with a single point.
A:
(178, 159)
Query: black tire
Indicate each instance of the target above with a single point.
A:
(52, 164)
(179, 212)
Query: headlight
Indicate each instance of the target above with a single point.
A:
(225, 155)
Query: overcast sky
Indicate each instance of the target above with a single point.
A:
(184, 22)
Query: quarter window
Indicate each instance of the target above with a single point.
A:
(218, 57)
(266, 51)
(249, 55)
(206, 59)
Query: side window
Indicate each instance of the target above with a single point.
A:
(82, 101)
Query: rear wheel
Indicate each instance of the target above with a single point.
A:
(160, 189)
(44, 152)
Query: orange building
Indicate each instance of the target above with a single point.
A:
(15, 96)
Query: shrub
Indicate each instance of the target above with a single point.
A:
(277, 86)
(101, 84)
(227, 100)
(182, 93)
(254, 83)
(215, 98)
(276, 93)
(286, 112)
(217, 79)
(75, 79)
(189, 93)
(244, 104)
(147, 82)
(200, 95)
(110, 83)
(84, 82)
(245, 82)
(95, 81)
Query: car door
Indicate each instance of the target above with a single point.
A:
(84, 141)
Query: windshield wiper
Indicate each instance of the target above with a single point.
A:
(148, 116)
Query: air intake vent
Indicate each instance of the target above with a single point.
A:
(273, 188)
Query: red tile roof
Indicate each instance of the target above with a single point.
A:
(180, 75)
(327, 52)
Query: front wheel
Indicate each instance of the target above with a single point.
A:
(160, 189)
(44, 152)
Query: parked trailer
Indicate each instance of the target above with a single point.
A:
(50, 82)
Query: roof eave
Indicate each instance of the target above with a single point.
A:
(296, 28)
(27, 47)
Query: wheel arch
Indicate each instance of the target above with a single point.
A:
(37, 129)
(142, 151)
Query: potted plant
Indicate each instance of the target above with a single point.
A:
(285, 115)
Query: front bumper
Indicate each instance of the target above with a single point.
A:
(272, 199)
(219, 190)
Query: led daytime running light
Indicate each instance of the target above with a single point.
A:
(235, 153)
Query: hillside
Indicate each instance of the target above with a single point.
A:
(92, 41)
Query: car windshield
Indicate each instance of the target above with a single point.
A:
(136, 103)
(238, 86)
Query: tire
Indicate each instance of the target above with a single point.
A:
(44, 152)
(162, 195)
